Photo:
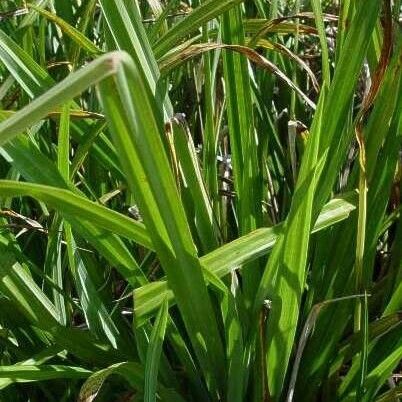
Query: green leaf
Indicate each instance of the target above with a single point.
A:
(58, 95)
(319, 19)
(132, 372)
(73, 33)
(207, 11)
(284, 277)
(78, 207)
(132, 110)
(235, 254)
(25, 373)
(154, 353)
(97, 317)
(127, 31)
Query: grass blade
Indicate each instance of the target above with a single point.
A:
(154, 354)
(159, 203)
(25, 373)
(207, 11)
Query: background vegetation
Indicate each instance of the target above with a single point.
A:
(200, 200)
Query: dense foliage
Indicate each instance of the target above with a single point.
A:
(200, 200)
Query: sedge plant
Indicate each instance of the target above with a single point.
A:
(200, 200)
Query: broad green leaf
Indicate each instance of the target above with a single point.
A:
(241, 251)
(132, 110)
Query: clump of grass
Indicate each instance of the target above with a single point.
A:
(200, 201)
